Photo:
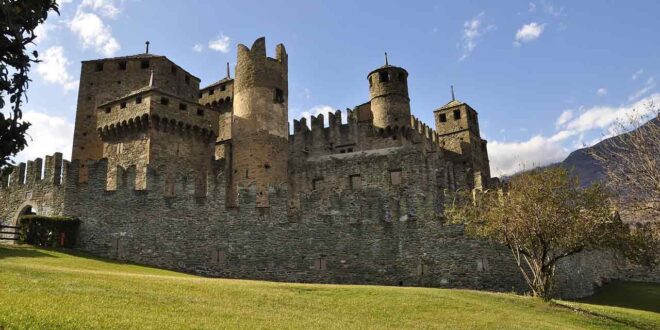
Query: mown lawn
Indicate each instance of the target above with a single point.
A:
(43, 289)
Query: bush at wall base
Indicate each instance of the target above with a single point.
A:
(48, 231)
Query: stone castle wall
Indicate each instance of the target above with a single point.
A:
(382, 229)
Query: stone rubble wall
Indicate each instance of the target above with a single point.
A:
(374, 233)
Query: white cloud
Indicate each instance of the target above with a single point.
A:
(648, 87)
(506, 157)
(529, 32)
(91, 30)
(47, 134)
(220, 44)
(531, 7)
(198, 48)
(62, 2)
(564, 117)
(106, 8)
(53, 68)
(551, 9)
(41, 32)
(637, 74)
(473, 31)
(601, 91)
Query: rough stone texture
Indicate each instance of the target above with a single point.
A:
(260, 119)
(105, 80)
(457, 125)
(230, 193)
(388, 91)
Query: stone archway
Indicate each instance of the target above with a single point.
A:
(25, 209)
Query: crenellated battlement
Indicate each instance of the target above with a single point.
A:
(355, 135)
(36, 172)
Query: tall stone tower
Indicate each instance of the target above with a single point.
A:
(260, 120)
(457, 125)
(388, 91)
(104, 80)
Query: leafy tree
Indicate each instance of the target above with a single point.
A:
(542, 216)
(18, 20)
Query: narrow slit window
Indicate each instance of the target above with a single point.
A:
(183, 107)
(200, 112)
(144, 64)
(121, 65)
(164, 101)
(187, 79)
(211, 91)
(279, 96)
(395, 177)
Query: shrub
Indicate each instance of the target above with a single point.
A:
(48, 231)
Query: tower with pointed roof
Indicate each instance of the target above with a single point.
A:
(457, 125)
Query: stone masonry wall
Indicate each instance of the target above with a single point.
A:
(374, 232)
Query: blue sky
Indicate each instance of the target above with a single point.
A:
(545, 76)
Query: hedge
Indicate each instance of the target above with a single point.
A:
(48, 231)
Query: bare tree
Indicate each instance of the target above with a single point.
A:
(542, 216)
(631, 162)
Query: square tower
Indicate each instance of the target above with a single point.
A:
(108, 79)
(457, 125)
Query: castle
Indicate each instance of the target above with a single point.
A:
(213, 181)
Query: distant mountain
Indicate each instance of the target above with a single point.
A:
(583, 164)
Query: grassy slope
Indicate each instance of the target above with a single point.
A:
(46, 289)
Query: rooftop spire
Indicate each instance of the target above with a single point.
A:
(228, 75)
(147, 43)
(453, 98)
(386, 63)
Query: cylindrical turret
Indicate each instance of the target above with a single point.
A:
(388, 91)
(260, 120)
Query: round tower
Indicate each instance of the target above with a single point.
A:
(388, 92)
(260, 120)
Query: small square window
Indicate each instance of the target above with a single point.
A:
(164, 101)
(223, 87)
(279, 96)
(211, 91)
(443, 118)
(395, 177)
(121, 65)
(138, 100)
(355, 181)
(183, 107)
(144, 64)
(200, 112)
(99, 66)
(122, 105)
(108, 110)
(457, 114)
(200, 95)
(383, 76)
(317, 184)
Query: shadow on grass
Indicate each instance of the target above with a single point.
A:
(21, 251)
(633, 295)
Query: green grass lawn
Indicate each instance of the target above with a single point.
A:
(43, 289)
